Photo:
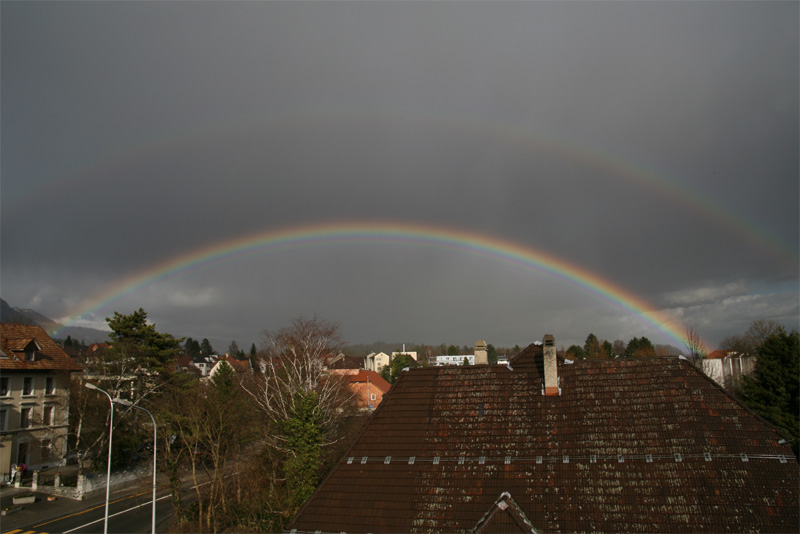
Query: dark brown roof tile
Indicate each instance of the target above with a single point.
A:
(630, 445)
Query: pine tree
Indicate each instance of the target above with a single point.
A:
(774, 392)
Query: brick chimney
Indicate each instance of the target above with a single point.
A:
(481, 353)
(550, 365)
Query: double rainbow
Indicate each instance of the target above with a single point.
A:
(426, 235)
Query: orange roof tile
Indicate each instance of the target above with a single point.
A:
(371, 376)
(49, 356)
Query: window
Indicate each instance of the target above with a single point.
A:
(48, 415)
(26, 418)
(372, 396)
(27, 385)
(50, 386)
(46, 449)
(4, 391)
(3, 418)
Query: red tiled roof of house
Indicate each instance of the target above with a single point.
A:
(14, 338)
(343, 361)
(374, 378)
(240, 366)
(646, 445)
(717, 354)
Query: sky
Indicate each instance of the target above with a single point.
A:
(637, 156)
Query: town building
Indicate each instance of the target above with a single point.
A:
(343, 361)
(480, 356)
(376, 361)
(236, 365)
(34, 398)
(453, 359)
(410, 353)
(727, 368)
(367, 387)
(548, 445)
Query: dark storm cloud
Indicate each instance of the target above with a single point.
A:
(652, 143)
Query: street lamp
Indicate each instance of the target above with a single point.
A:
(155, 435)
(110, 434)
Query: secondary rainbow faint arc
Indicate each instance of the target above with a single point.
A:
(388, 232)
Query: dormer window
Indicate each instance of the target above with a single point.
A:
(24, 349)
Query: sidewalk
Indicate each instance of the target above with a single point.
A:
(43, 509)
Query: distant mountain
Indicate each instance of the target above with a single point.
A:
(9, 314)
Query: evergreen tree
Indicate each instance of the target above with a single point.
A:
(608, 350)
(491, 353)
(452, 350)
(640, 348)
(303, 433)
(224, 378)
(205, 348)
(191, 347)
(391, 372)
(576, 352)
(134, 339)
(774, 391)
(591, 347)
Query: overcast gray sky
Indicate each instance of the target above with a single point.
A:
(652, 144)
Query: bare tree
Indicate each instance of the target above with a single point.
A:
(694, 345)
(292, 367)
(738, 344)
(760, 331)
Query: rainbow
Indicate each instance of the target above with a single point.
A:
(439, 237)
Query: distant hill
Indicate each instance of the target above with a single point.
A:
(10, 314)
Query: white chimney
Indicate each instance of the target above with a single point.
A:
(550, 365)
(481, 353)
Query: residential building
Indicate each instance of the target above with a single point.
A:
(450, 359)
(411, 353)
(376, 361)
(368, 387)
(548, 445)
(204, 363)
(479, 357)
(727, 368)
(343, 361)
(238, 366)
(34, 398)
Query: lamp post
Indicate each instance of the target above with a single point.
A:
(110, 434)
(155, 436)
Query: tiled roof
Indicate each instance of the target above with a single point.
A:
(343, 361)
(373, 377)
(49, 356)
(240, 366)
(629, 446)
(717, 354)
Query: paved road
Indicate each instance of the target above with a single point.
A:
(130, 511)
